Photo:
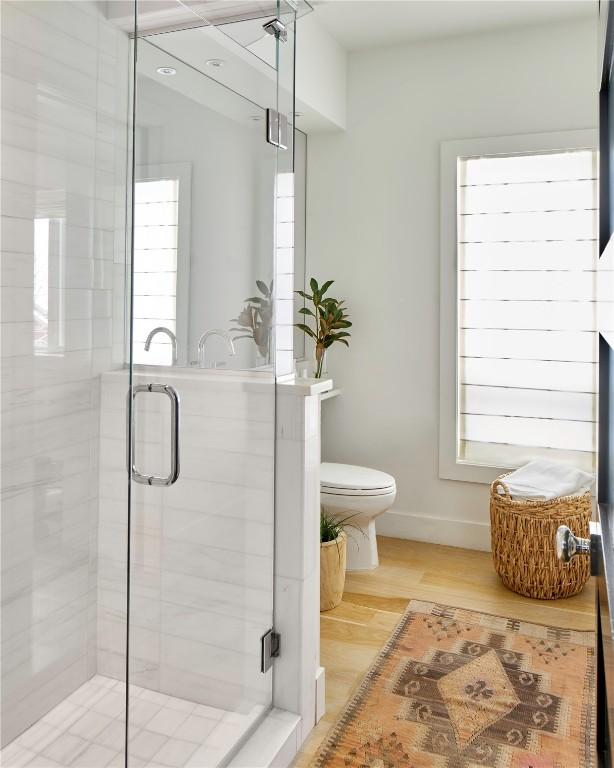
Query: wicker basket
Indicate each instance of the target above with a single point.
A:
(523, 542)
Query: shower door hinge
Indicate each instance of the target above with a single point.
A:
(270, 646)
(276, 129)
(276, 28)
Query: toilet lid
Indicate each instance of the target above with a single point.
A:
(351, 477)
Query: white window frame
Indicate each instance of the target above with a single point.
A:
(182, 172)
(450, 467)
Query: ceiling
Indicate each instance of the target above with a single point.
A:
(359, 24)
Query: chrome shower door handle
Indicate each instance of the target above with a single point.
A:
(173, 396)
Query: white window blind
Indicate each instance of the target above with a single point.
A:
(527, 228)
(156, 210)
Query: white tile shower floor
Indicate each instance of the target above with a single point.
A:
(86, 730)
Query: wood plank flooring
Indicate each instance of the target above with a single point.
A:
(353, 633)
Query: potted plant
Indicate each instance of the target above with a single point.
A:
(330, 321)
(255, 320)
(333, 557)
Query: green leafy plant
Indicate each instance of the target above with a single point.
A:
(257, 318)
(330, 321)
(331, 527)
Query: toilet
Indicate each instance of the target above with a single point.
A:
(362, 494)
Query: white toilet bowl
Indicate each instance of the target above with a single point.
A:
(361, 494)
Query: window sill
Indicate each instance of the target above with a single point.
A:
(470, 473)
(511, 457)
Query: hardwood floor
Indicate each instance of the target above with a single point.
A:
(353, 633)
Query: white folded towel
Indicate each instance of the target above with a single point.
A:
(542, 479)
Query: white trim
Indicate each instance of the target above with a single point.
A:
(320, 694)
(274, 743)
(182, 172)
(449, 467)
(434, 530)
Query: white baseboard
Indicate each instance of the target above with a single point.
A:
(435, 530)
(320, 693)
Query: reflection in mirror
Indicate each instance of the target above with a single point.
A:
(255, 321)
(156, 252)
(300, 232)
(49, 285)
(204, 221)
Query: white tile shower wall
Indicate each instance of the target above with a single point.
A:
(202, 549)
(64, 101)
(297, 562)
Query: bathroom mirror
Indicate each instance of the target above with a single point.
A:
(204, 205)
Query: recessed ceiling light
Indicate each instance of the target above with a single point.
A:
(166, 71)
(217, 63)
(255, 117)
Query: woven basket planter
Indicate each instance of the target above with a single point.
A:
(523, 542)
(333, 559)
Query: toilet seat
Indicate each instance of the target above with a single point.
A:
(351, 480)
(357, 494)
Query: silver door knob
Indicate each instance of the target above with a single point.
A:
(568, 545)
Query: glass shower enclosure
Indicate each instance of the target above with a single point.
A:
(138, 599)
(210, 158)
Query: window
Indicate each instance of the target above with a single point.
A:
(161, 261)
(526, 252)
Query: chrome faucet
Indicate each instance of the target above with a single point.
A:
(203, 340)
(170, 334)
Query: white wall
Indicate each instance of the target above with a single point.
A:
(373, 226)
(321, 77)
(64, 101)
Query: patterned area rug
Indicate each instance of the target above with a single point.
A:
(460, 689)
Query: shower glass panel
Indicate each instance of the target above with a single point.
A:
(202, 412)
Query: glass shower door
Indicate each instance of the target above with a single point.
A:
(202, 406)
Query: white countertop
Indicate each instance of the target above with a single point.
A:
(304, 387)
